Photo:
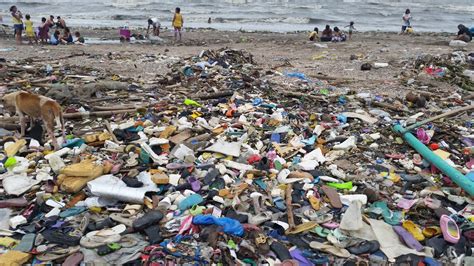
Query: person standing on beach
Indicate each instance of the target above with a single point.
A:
(351, 29)
(177, 23)
(44, 31)
(406, 20)
(17, 23)
(61, 23)
(30, 31)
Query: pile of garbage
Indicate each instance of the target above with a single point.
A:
(222, 162)
(456, 68)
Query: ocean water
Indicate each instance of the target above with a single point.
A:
(265, 15)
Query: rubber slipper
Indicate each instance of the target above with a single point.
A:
(261, 242)
(257, 200)
(195, 184)
(417, 160)
(431, 231)
(321, 231)
(150, 218)
(279, 203)
(60, 238)
(190, 201)
(79, 230)
(315, 202)
(260, 218)
(74, 259)
(280, 250)
(311, 214)
(122, 218)
(330, 225)
(414, 229)
(72, 212)
(26, 243)
(365, 247)
(333, 196)
(346, 185)
(154, 234)
(407, 238)
(336, 251)
(56, 253)
(96, 239)
(107, 249)
(99, 225)
(438, 244)
(450, 229)
(432, 203)
(301, 228)
(389, 216)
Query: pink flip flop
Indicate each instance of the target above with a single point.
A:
(450, 229)
(423, 136)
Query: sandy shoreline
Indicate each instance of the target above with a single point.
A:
(288, 52)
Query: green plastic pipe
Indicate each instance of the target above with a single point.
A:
(434, 159)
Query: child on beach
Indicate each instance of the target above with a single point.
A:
(30, 32)
(351, 29)
(326, 35)
(177, 23)
(156, 26)
(314, 35)
(51, 21)
(17, 23)
(406, 20)
(79, 38)
(43, 31)
(67, 37)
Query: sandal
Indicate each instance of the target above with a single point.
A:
(414, 229)
(333, 196)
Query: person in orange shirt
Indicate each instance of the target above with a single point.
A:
(177, 23)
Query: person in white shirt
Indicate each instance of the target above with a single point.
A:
(156, 26)
(406, 20)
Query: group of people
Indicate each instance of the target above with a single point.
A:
(332, 35)
(41, 32)
(177, 23)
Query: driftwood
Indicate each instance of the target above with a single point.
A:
(79, 115)
(388, 106)
(434, 118)
(302, 95)
(9, 126)
(111, 132)
(119, 107)
(289, 206)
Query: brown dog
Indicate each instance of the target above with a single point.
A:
(36, 106)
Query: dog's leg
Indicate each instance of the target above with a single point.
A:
(50, 130)
(22, 123)
(32, 122)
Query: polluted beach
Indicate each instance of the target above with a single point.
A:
(150, 140)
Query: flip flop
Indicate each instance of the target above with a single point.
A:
(450, 229)
(279, 203)
(432, 203)
(96, 239)
(26, 244)
(280, 250)
(365, 247)
(321, 231)
(57, 252)
(414, 229)
(333, 197)
(58, 237)
(74, 259)
(150, 218)
(389, 216)
(260, 218)
(122, 218)
(346, 185)
(431, 231)
(407, 238)
(301, 228)
(324, 247)
(315, 202)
